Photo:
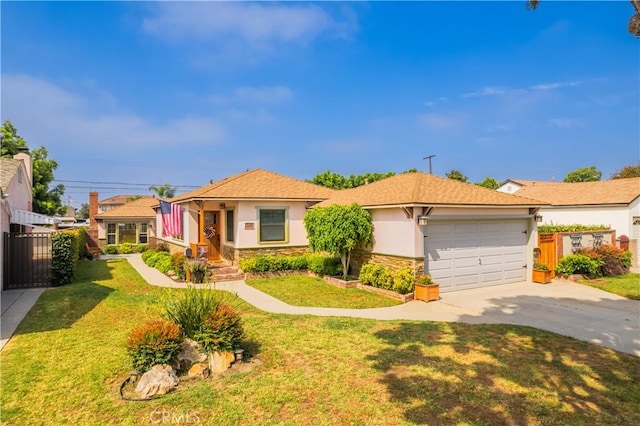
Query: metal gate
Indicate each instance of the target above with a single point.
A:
(27, 260)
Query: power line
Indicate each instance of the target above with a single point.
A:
(120, 183)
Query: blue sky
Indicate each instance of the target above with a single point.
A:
(182, 93)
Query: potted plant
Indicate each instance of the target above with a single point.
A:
(541, 273)
(198, 271)
(425, 289)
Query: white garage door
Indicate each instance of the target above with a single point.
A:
(466, 254)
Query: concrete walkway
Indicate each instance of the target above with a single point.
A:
(563, 307)
(15, 306)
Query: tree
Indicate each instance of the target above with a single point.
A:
(163, 191)
(83, 212)
(46, 201)
(330, 180)
(634, 21)
(457, 175)
(627, 172)
(338, 230)
(585, 174)
(489, 182)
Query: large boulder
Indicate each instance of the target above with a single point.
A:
(160, 380)
(190, 354)
(220, 362)
(199, 370)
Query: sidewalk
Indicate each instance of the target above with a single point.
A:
(568, 309)
(15, 306)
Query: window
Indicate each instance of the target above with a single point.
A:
(111, 233)
(229, 226)
(127, 233)
(272, 225)
(142, 238)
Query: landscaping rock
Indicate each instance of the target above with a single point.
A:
(190, 354)
(157, 381)
(199, 370)
(221, 361)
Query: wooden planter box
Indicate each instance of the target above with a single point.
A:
(427, 293)
(542, 277)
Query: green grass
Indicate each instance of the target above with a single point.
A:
(623, 285)
(68, 358)
(299, 290)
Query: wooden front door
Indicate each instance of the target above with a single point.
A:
(211, 233)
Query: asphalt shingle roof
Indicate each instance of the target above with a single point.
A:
(614, 191)
(140, 208)
(426, 189)
(258, 184)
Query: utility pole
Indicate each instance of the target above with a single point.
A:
(429, 157)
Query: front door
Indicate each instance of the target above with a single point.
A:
(211, 233)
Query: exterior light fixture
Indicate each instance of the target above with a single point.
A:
(223, 206)
(538, 218)
(422, 220)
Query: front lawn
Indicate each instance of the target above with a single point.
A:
(299, 290)
(627, 285)
(67, 360)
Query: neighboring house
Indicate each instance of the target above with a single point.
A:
(615, 203)
(464, 235)
(116, 201)
(132, 222)
(253, 213)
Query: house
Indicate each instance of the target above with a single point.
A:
(615, 203)
(464, 235)
(132, 222)
(23, 258)
(253, 213)
(115, 201)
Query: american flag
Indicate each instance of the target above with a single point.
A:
(171, 219)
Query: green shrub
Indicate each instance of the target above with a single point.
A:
(578, 264)
(297, 263)
(126, 248)
(147, 254)
(154, 342)
(198, 270)
(189, 308)
(111, 249)
(548, 229)
(325, 265)
(164, 263)
(178, 264)
(63, 257)
(377, 276)
(274, 263)
(424, 279)
(142, 248)
(221, 330)
(403, 281)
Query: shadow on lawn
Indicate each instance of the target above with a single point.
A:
(501, 374)
(60, 307)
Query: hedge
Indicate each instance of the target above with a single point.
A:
(323, 265)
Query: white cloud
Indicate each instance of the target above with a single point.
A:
(48, 113)
(557, 85)
(486, 91)
(564, 123)
(256, 24)
(255, 95)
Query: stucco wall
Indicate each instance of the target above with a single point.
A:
(247, 214)
(394, 233)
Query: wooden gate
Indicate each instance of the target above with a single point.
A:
(548, 250)
(27, 260)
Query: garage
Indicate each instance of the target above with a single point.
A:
(461, 254)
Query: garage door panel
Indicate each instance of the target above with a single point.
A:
(475, 254)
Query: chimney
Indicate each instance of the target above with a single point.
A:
(93, 209)
(23, 154)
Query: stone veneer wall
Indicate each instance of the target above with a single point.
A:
(361, 257)
(246, 253)
(228, 253)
